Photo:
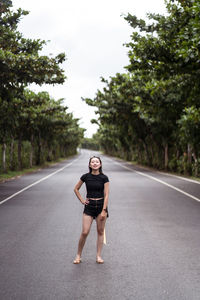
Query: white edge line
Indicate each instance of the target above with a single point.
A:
(36, 182)
(180, 177)
(169, 185)
(173, 175)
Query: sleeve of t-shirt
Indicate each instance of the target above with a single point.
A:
(106, 179)
(83, 177)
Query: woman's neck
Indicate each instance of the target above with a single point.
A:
(95, 172)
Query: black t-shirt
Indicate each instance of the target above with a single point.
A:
(94, 184)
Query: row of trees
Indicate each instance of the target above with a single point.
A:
(91, 143)
(151, 112)
(33, 127)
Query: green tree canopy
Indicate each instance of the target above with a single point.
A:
(144, 113)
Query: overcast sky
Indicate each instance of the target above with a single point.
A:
(92, 34)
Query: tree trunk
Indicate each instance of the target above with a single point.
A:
(31, 152)
(177, 154)
(65, 151)
(4, 157)
(195, 164)
(147, 153)
(49, 157)
(139, 154)
(151, 151)
(166, 156)
(12, 154)
(189, 151)
(38, 161)
(20, 153)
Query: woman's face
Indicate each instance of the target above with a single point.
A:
(95, 163)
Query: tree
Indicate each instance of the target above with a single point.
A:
(20, 64)
(139, 112)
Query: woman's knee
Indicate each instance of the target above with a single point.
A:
(85, 233)
(100, 231)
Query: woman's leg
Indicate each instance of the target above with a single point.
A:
(86, 225)
(100, 236)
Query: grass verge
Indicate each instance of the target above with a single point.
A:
(9, 175)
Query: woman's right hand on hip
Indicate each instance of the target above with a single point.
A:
(86, 202)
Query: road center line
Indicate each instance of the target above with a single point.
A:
(38, 181)
(163, 182)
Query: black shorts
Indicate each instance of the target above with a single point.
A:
(94, 208)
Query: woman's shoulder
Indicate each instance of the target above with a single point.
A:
(84, 176)
(104, 177)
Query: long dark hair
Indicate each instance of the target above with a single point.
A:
(100, 169)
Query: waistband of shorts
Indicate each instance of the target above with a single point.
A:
(100, 200)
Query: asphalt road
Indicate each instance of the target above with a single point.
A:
(153, 236)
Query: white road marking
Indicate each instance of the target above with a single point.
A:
(161, 181)
(173, 175)
(180, 177)
(38, 181)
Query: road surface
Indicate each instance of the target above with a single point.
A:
(153, 236)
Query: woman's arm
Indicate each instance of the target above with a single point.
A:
(106, 193)
(76, 190)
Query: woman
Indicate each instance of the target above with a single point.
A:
(95, 205)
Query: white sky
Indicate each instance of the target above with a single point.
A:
(92, 34)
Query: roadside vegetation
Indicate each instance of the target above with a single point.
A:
(151, 113)
(34, 127)
(91, 143)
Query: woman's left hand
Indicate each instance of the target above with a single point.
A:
(103, 214)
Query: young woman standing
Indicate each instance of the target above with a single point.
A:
(95, 205)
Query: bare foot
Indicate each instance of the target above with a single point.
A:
(99, 260)
(77, 260)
